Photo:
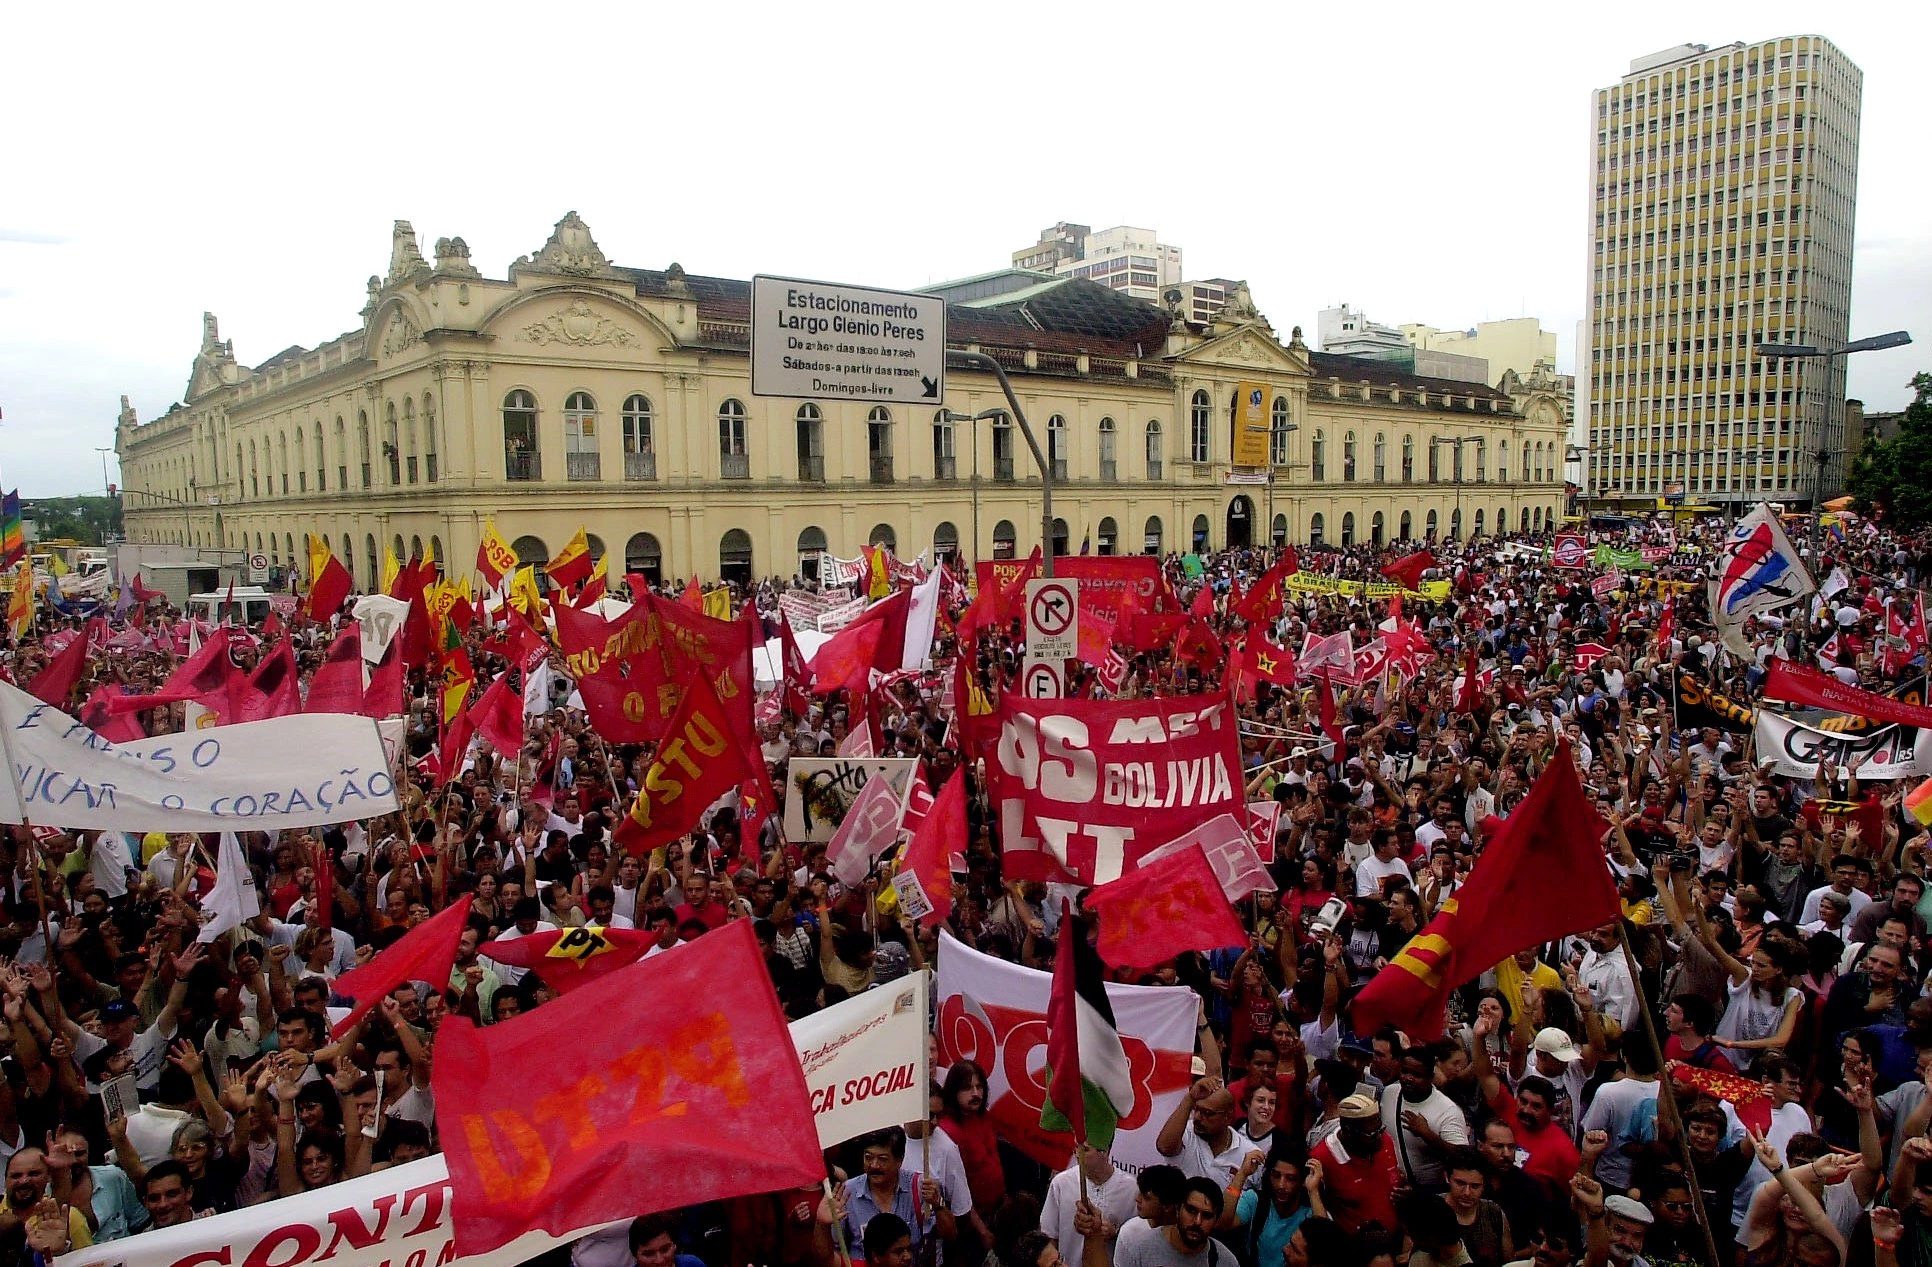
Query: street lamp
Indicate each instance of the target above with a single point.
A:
(1815, 352)
(104, 451)
(979, 360)
(1458, 441)
(973, 437)
(1579, 454)
(1284, 429)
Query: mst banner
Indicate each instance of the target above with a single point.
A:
(304, 771)
(1085, 788)
(994, 1013)
(1888, 752)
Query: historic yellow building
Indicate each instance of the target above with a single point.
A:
(576, 392)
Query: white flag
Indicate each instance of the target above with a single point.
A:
(381, 618)
(922, 617)
(233, 901)
(536, 690)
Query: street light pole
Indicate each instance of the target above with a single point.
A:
(973, 438)
(1273, 466)
(104, 451)
(979, 360)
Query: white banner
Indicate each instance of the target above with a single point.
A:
(865, 1060)
(833, 619)
(824, 788)
(305, 771)
(1795, 749)
(836, 571)
(381, 618)
(994, 1013)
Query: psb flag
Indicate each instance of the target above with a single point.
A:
(494, 557)
(572, 563)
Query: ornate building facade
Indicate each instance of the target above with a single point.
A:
(576, 392)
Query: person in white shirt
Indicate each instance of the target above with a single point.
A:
(570, 821)
(1603, 969)
(1110, 1189)
(525, 920)
(1423, 1122)
(1208, 1147)
(1376, 874)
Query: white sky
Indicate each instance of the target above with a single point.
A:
(1422, 164)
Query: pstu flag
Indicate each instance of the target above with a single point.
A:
(697, 762)
(1090, 1086)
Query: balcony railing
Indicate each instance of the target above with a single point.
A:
(1003, 470)
(522, 467)
(1059, 470)
(881, 470)
(640, 466)
(583, 466)
(734, 466)
(945, 468)
(811, 468)
(1153, 468)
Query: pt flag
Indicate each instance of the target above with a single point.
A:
(566, 959)
(575, 1113)
(1542, 877)
(1084, 788)
(1090, 1085)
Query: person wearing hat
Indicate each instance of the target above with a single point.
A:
(1630, 1222)
(1530, 1113)
(1359, 1171)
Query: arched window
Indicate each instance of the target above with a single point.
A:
(1154, 450)
(254, 473)
(1408, 526)
(878, 444)
(301, 460)
(530, 551)
(1348, 528)
(640, 445)
(1315, 529)
(1479, 523)
(1455, 524)
(1536, 519)
(883, 535)
(1151, 536)
(1108, 542)
(1502, 516)
(1408, 460)
(1526, 468)
(1002, 448)
(1502, 467)
(1318, 455)
(811, 443)
(415, 548)
(1524, 519)
(392, 443)
(436, 552)
(1057, 447)
(1201, 530)
(321, 461)
(644, 556)
(945, 541)
(1199, 427)
(734, 550)
(1376, 529)
(281, 454)
(521, 458)
(1429, 527)
(1278, 432)
(1435, 459)
(341, 461)
(1107, 461)
(1549, 518)
(582, 461)
(1381, 457)
(372, 577)
(1278, 532)
(734, 460)
(362, 444)
(1348, 456)
(429, 438)
(1003, 539)
(811, 544)
(1061, 538)
(945, 454)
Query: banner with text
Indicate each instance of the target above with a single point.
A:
(1795, 749)
(865, 1060)
(304, 771)
(1084, 788)
(1304, 583)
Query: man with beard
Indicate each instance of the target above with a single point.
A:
(1213, 1148)
(28, 1184)
(1183, 1243)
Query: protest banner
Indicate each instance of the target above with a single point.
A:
(824, 788)
(1223, 840)
(1697, 706)
(1886, 752)
(869, 828)
(836, 571)
(1085, 788)
(1814, 688)
(1263, 819)
(1106, 582)
(1303, 582)
(865, 1060)
(308, 770)
(994, 1013)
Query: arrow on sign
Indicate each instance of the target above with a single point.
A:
(932, 387)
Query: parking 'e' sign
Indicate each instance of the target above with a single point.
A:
(1052, 618)
(826, 341)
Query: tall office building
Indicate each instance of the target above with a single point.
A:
(1722, 196)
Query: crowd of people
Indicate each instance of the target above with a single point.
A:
(1775, 926)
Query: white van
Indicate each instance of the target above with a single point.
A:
(250, 607)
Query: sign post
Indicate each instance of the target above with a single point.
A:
(1043, 679)
(820, 340)
(1052, 618)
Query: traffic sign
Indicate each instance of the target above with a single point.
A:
(1043, 679)
(819, 339)
(1052, 618)
(1570, 551)
(257, 567)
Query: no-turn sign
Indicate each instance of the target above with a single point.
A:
(1043, 679)
(1052, 619)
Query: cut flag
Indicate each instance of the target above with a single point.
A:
(426, 952)
(1164, 909)
(572, 564)
(1089, 1084)
(1540, 878)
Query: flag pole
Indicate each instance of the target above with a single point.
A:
(1666, 1095)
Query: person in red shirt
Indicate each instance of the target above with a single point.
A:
(965, 1121)
(1355, 1168)
(698, 903)
(1553, 1156)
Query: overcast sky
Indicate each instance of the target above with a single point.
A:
(1420, 163)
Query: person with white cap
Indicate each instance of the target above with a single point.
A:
(1359, 1171)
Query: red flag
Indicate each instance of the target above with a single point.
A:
(327, 591)
(384, 696)
(693, 596)
(426, 952)
(567, 958)
(203, 678)
(337, 685)
(939, 836)
(1472, 694)
(1325, 715)
(1263, 602)
(1199, 644)
(498, 717)
(1165, 908)
(1407, 571)
(56, 682)
(142, 593)
(698, 761)
(876, 640)
(448, 757)
(1270, 662)
(1202, 608)
(797, 674)
(1540, 878)
(98, 716)
(272, 626)
(323, 863)
(270, 691)
(1748, 1097)
(559, 1119)
(1814, 688)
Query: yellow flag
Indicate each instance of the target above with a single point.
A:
(20, 606)
(57, 566)
(391, 568)
(717, 603)
(318, 555)
(429, 553)
(524, 593)
(494, 557)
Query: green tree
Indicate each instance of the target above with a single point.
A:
(1893, 478)
(87, 520)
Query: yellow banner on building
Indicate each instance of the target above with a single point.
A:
(1431, 591)
(1251, 424)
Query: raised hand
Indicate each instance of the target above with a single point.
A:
(186, 1057)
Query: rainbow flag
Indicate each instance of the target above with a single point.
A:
(1918, 802)
(13, 534)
